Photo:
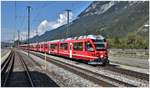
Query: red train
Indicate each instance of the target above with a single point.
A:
(90, 48)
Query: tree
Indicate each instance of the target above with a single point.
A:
(116, 40)
(131, 38)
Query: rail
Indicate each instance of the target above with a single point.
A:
(7, 65)
(85, 73)
(26, 70)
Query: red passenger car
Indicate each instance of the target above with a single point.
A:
(91, 48)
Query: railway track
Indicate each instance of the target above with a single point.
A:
(127, 72)
(138, 75)
(6, 69)
(40, 79)
(115, 68)
(87, 74)
(27, 72)
(7, 73)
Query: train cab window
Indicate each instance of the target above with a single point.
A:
(88, 46)
(99, 40)
(78, 46)
(99, 44)
(64, 46)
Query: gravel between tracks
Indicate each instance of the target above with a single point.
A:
(121, 77)
(40, 79)
(5, 56)
(63, 77)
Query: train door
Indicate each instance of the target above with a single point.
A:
(49, 48)
(70, 55)
(78, 52)
(89, 50)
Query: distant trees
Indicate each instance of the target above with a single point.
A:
(131, 41)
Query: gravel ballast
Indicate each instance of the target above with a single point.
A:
(63, 77)
(118, 76)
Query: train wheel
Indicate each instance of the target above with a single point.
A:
(104, 64)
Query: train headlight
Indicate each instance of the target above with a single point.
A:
(101, 56)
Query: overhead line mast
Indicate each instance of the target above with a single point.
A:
(67, 33)
(28, 8)
(15, 22)
(18, 37)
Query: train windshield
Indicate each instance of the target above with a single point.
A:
(99, 44)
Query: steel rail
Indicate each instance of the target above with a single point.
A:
(9, 68)
(30, 80)
(110, 67)
(135, 74)
(5, 63)
(78, 70)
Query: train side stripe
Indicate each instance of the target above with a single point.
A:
(79, 55)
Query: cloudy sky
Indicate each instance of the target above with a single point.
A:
(45, 16)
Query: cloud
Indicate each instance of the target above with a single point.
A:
(42, 27)
(23, 36)
(46, 25)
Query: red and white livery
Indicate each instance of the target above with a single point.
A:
(90, 48)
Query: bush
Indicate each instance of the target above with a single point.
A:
(132, 41)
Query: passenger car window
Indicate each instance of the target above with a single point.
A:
(78, 46)
(53, 46)
(64, 46)
(45, 45)
(88, 46)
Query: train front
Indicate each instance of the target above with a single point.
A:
(101, 52)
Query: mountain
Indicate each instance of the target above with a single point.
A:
(109, 18)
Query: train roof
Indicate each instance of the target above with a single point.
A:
(96, 37)
(99, 37)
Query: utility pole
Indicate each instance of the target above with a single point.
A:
(18, 37)
(13, 38)
(37, 35)
(15, 17)
(28, 8)
(20, 40)
(67, 10)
